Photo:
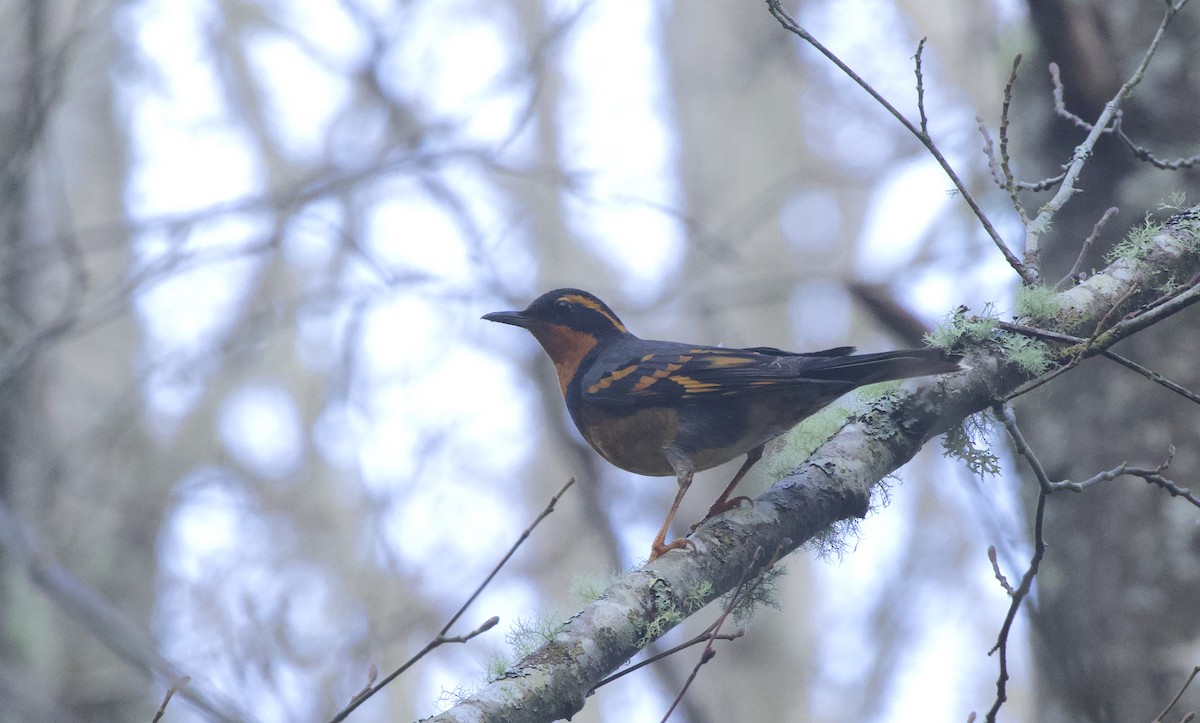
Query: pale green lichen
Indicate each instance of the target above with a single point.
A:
(529, 634)
(1037, 303)
(803, 439)
(1029, 355)
(962, 331)
(587, 588)
(763, 591)
(970, 442)
(1137, 243)
(666, 616)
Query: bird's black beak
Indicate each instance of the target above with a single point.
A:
(516, 318)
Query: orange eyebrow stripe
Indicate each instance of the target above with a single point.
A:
(596, 307)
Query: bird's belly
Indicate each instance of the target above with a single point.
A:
(633, 442)
(637, 441)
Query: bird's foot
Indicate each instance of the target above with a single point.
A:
(721, 508)
(658, 549)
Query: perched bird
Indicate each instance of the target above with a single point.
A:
(659, 408)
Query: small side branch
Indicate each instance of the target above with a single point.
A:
(1175, 700)
(734, 599)
(1152, 476)
(1144, 154)
(1005, 161)
(1071, 275)
(442, 638)
(921, 88)
(180, 684)
(1018, 594)
(1046, 487)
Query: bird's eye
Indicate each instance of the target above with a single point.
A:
(563, 307)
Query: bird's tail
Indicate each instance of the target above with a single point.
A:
(859, 369)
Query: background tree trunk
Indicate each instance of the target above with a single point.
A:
(77, 465)
(1116, 623)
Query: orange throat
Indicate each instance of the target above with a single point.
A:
(566, 348)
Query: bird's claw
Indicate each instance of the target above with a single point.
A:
(722, 507)
(657, 550)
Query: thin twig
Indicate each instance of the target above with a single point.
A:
(1008, 417)
(1049, 376)
(989, 152)
(1153, 376)
(790, 24)
(1100, 343)
(441, 638)
(1056, 336)
(1087, 244)
(1043, 185)
(1034, 332)
(1186, 683)
(1130, 326)
(1152, 476)
(1045, 488)
(1112, 311)
(1005, 160)
(178, 685)
(1004, 583)
(744, 586)
(921, 88)
(706, 635)
(1060, 104)
(1144, 154)
(707, 654)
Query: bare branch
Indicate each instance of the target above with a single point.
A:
(1175, 700)
(735, 598)
(1004, 583)
(708, 634)
(1005, 161)
(441, 638)
(1060, 104)
(1153, 376)
(1152, 476)
(921, 88)
(1083, 151)
(1009, 418)
(1087, 244)
(989, 152)
(795, 28)
(176, 686)
(1144, 154)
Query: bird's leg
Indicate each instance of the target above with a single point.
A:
(683, 476)
(723, 503)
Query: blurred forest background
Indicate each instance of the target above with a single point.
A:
(252, 429)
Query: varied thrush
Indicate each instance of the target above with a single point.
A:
(659, 408)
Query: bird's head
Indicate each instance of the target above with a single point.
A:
(568, 323)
